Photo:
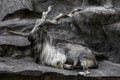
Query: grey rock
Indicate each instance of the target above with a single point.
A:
(11, 44)
(25, 66)
(90, 19)
(10, 6)
(113, 31)
(98, 27)
(16, 25)
(91, 23)
(17, 22)
(14, 40)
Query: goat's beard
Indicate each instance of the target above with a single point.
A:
(51, 56)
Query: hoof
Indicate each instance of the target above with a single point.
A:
(83, 73)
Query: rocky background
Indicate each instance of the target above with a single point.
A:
(95, 27)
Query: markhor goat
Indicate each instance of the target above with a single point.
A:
(43, 51)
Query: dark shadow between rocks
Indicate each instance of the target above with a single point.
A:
(22, 14)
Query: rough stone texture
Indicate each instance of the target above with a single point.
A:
(91, 23)
(95, 27)
(16, 45)
(25, 66)
(17, 25)
(113, 32)
(11, 6)
(14, 40)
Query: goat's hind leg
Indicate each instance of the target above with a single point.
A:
(68, 66)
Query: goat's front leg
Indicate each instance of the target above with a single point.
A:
(84, 64)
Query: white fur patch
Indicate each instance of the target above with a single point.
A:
(52, 57)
